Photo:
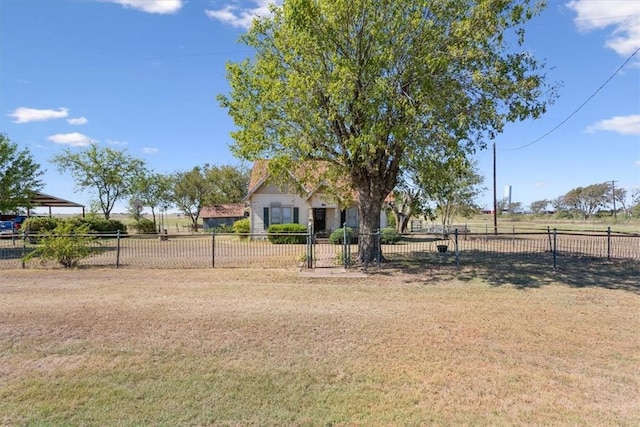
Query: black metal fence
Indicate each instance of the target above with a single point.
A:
(549, 248)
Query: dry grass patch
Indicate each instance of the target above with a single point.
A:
(263, 347)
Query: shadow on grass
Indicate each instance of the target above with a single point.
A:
(522, 270)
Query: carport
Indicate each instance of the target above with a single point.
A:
(46, 200)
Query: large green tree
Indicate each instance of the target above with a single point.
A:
(19, 176)
(208, 185)
(365, 84)
(107, 173)
(229, 184)
(586, 200)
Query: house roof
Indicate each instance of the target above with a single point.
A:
(229, 210)
(259, 174)
(309, 175)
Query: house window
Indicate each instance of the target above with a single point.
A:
(277, 214)
(352, 217)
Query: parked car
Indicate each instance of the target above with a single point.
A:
(12, 225)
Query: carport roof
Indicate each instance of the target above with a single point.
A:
(42, 199)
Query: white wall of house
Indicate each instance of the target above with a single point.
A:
(270, 196)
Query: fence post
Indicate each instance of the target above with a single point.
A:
(24, 247)
(310, 245)
(346, 248)
(118, 249)
(609, 243)
(379, 247)
(555, 247)
(456, 247)
(213, 249)
(549, 234)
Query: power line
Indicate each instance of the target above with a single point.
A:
(580, 107)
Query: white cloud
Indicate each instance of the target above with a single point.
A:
(241, 17)
(622, 15)
(150, 150)
(539, 184)
(637, 163)
(74, 139)
(151, 6)
(78, 121)
(26, 115)
(625, 125)
(114, 142)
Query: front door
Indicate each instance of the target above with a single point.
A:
(319, 220)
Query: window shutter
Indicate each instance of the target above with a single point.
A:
(265, 214)
(296, 215)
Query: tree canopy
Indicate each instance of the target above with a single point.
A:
(107, 173)
(586, 200)
(208, 185)
(368, 85)
(19, 176)
(152, 190)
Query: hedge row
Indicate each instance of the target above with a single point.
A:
(277, 233)
(388, 236)
(43, 224)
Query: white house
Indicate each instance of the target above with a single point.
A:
(272, 202)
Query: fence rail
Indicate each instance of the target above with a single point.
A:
(237, 251)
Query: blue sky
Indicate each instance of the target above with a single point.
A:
(142, 75)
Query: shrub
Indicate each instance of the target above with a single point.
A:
(145, 226)
(277, 233)
(100, 225)
(391, 218)
(337, 237)
(67, 244)
(223, 228)
(39, 224)
(389, 236)
(563, 215)
(242, 226)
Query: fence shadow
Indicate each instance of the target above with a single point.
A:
(522, 270)
(577, 272)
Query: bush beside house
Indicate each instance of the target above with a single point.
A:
(277, 233)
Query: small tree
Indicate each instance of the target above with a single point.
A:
(453, 184)
(618, 198)
(539, 206)
(67, 244)
(586, 200)
(152, 190)
(107, 172)
(19, 176)
(190, 190)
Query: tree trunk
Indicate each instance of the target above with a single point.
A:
(399, 216)
(404, 224)
(153, 215)
(369, 207)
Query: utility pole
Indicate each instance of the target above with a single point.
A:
(495, 197)
(613, 196)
